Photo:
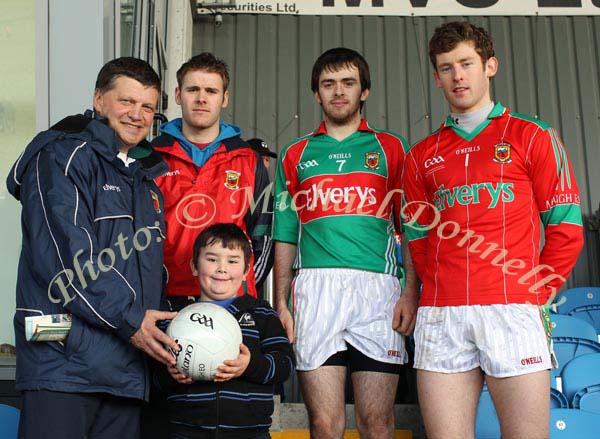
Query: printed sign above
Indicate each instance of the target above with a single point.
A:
(410, 7)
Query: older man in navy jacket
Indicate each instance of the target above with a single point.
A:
(93, 232)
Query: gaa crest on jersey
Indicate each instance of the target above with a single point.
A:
(155, 201)
(502, 153)
(372, 160)
(232, 180)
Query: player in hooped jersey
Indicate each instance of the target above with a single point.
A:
(475, 192)
(337, 207)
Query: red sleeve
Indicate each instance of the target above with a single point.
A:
(417, 213)
(557, 197)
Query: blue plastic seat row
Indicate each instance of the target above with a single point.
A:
(573, 298)
(9, 421)
(565, 423)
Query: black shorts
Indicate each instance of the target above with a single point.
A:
(356, 361)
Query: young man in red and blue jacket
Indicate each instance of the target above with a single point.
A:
(215, 177)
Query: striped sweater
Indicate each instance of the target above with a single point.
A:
(245, 402)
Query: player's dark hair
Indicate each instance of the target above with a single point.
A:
(229, 235)
(130, 67)
(339, 58)
(336, 59)
(447, 36)
(205, 62)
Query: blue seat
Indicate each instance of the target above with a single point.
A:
(9, 421)
(487, 425)
(588, 313)
(576, 297)
(588, 399)
(567, 348)
(557, 399)
(569, 326)
(573, 424)
(579, 373)
(555, 379)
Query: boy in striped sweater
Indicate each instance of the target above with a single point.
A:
(238, 404)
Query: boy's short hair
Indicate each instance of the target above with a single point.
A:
(130, 67)
(205, 62)
(338, 58)
(230, 236)
(447, 36)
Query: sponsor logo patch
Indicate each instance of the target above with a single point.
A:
(468, 150)
(502, 153)
(307, 164)
(531, 360)
(434, 161)
(111, 187)
(246, 320)
(232, 180)
(171, 173)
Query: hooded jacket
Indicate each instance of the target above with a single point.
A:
(223, 182)
(245, 402)
(92, 247)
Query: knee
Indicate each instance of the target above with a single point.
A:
(325, 427)
(377, 426)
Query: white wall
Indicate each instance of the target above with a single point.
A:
(70, 52)
(178, 48)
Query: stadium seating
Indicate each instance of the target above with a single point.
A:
(573, 424)
(589, 313)
(9, 422)
(588, 399)
(487, 425)
(555, 379)
(567, 348)
(579, 373)
(576, 297)
(569, 326)
(557, 399)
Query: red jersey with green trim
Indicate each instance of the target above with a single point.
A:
(338, 200)
(473, 204)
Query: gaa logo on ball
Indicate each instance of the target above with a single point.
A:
(207, 335)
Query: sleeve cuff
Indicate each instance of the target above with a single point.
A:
(130, 325)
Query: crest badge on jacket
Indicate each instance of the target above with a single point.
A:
(232, 179)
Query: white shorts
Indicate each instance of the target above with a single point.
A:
(333, 306)
(503, 340)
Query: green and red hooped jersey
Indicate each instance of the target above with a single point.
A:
(339, 201)
(473, 205)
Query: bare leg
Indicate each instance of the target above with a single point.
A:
(523, 404)
(374, 394)
(323, 393)
(449, 402)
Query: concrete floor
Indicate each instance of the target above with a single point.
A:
(292, 416)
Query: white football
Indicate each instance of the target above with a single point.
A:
(207, 335)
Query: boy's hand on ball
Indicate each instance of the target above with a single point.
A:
(180, 377)
(234, 368)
